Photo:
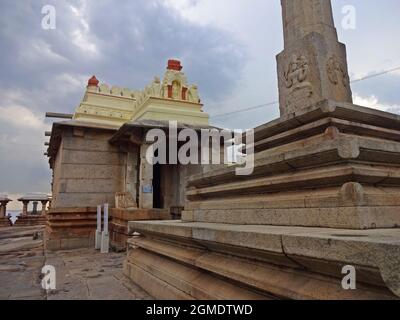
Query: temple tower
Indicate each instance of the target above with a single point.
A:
(313, 64)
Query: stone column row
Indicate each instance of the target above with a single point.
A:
(35, 204)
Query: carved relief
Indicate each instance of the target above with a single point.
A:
(193, 95)
(176, 90)
(173, 86)
(295, 80)
(296, 72)
(337, 72)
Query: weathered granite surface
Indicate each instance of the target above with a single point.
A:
(87, 170)
(70, 228)
(5, 222)
(80, 274)
(313, 64)
(328, 165)
(31, 220)
(85, 274)
(21, 261)
(324, 193)
(118, 225)
(282, 262)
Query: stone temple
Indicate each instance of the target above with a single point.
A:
(324, 195)
(100, 157)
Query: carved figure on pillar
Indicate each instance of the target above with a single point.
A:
(313, 65)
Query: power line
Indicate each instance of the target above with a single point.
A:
(376, 75)
(272, 103)
(247, 109)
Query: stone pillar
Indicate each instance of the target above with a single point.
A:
(25, 208)
(313, 65)
(145, 180)
(35, 208)
(131, 176)
(44, 204)
(3, 208)
(302, 17)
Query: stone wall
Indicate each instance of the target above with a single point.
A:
(88, 170)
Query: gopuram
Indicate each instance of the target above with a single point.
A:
(324, 196)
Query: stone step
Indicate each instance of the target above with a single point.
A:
(272, 280)
(326, 109)
(357, 218)
(118, 226)
(167, 279)
(352, 206)
(329, 197)
(320, 126)
(374, 253)
(5, 222)
(334, 175)
(321, 150)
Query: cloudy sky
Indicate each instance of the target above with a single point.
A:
(227, 47)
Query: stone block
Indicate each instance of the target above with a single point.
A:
(119, 225)
(107, 186)
(92, 157)
(88, 171)
(87, 144)
(73, 200)
(70, 228)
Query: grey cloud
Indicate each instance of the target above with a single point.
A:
(134, 39)
(46, 71)
(23, 166)
(385, 88)
(138, 37)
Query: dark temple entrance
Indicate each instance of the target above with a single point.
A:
(157, 197)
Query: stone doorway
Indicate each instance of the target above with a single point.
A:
(167, 187)
(158, 202)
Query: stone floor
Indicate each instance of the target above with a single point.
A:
(80, 274)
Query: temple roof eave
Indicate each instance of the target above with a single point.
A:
(129, 127)
(58, 127)
(35, 197)
(4, 198)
